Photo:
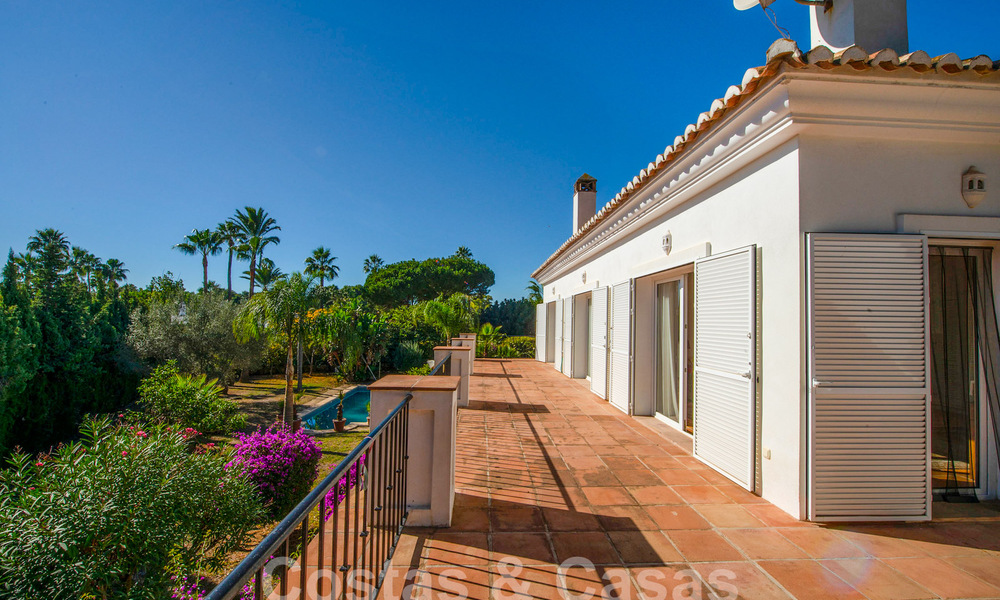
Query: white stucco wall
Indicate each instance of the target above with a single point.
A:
(862, 185)
(756, 204)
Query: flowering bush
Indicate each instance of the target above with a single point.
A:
(282, 465)
(339, 491)
(115, 515)
(189, 401)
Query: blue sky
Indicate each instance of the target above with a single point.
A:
(396, 128)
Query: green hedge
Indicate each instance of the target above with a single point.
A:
(521, 346)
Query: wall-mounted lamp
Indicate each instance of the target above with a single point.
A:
(973, 187)
(667, 243)
(584, 277)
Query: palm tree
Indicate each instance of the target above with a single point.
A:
(205, 241)
(255, 225)
(52, 249)
(451, 316)
(83, 264)
(279, 312)
(114, 272)
(535, 293)
(267, 274)
(322, 265)
(463, 252)
(229, 234)
(373, 263)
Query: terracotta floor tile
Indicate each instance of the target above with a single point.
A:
(986, 568)
(679, 476)
(654, 495)
(668, 582)
(661, 462)
(637, 477)
(703, 546)
(772, 516)
(882, 545)
(822, 543)
(470, 519)
(809, 580)
(677, 517)
(596, 477)
(524, 518)
(741, 580)
(457, 549)
(728, 515)
(607, 496)
(763, 543)
(877, 580)
(471, 583)
(591, 545)
(943, 579)
(570, 520)
(584, 462)
(701, 494)
(622, 463)
(644, 547)
(624, 518)
(529, 548)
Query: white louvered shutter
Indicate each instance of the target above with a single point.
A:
(557, 359)
(567, 363)
(870, 385)
(540, 331)
(620, 378)
(599, 342)
(725, 315)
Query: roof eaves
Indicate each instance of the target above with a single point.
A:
(781, 53)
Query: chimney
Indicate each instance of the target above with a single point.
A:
(870, 24)
(584, 201)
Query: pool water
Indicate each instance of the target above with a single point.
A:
(355, 410)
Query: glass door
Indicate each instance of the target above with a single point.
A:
(955, 402)
(669, 340)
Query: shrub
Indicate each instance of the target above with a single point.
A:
(521, 346)
(281, 465)
(189, 401)
(423, 369)
(115, 515)
(407, 355)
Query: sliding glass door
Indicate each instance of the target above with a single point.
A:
(963, 341)
(669, 349)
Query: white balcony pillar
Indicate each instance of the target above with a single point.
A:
(469, 340)
(433, 421)
(461, 365)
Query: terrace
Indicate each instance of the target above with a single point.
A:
(546, 472)
(559, 495)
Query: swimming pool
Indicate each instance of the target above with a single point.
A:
(355, 410)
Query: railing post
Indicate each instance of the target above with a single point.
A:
(431, 433)
(463, 340)
(461, 363)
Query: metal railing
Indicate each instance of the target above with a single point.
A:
(443, 367)
(356, 537)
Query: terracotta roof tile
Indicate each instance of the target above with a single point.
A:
(781, 53)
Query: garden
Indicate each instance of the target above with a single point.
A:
(146, 432)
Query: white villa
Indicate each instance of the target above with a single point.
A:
(804, 280)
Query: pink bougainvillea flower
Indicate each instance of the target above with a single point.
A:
(124, 452)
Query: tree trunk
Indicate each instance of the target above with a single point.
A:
(204, 266)
(253, 271)
(298, 363)
(289, 412)
(312, 361)
(229, 276)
